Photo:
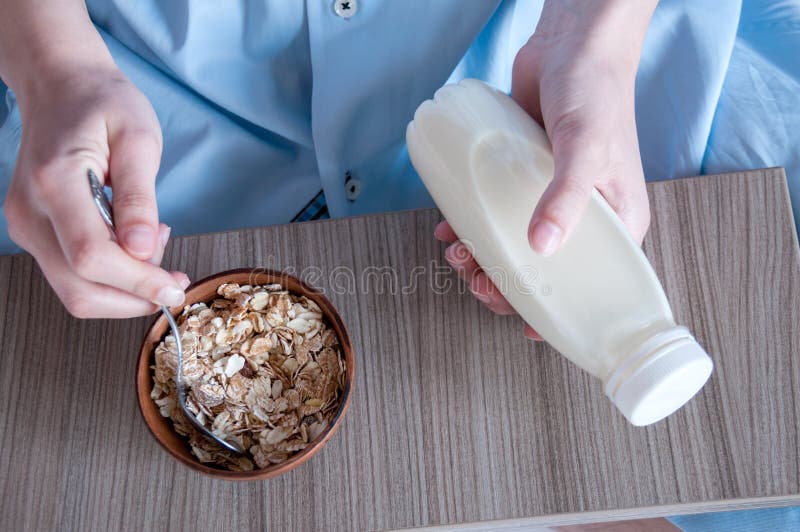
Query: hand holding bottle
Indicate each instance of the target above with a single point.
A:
(576, 76)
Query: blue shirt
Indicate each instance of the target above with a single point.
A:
(264, 103)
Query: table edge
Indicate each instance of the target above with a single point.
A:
(763, 172)
(602, 516)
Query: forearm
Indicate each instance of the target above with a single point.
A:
(45, 38)
(611, 30)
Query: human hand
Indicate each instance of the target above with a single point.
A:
(92, 118)
(576, 77)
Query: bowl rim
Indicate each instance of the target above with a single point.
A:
(146, 356)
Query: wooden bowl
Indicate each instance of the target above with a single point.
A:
(205, 291)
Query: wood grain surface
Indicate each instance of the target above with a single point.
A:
(456, 417)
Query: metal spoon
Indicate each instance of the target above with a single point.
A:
(104, 206)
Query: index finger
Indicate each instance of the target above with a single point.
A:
(444, 232)
(92, 252)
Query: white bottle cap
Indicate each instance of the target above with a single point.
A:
(660, 377)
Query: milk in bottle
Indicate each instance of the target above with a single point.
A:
(597, 300)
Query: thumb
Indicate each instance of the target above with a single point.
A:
(163, 237)
(577, 160)
(133, 165)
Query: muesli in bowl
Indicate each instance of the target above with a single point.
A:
(266, 370)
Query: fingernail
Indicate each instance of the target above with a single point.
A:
(139, 238)
(438, 232)
(483, 298)
(165, 236)
(545, 237)
(456, 253)
(171, 296)
(529, 333)
(185, 283)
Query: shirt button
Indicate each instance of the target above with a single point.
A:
(345, 8)
(352, 188)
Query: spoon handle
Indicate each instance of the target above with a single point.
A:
(104, 206)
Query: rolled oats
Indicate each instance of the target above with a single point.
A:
(264, 370)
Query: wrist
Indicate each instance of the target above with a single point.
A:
(48, 66)
(610, 32)
(48, 58)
